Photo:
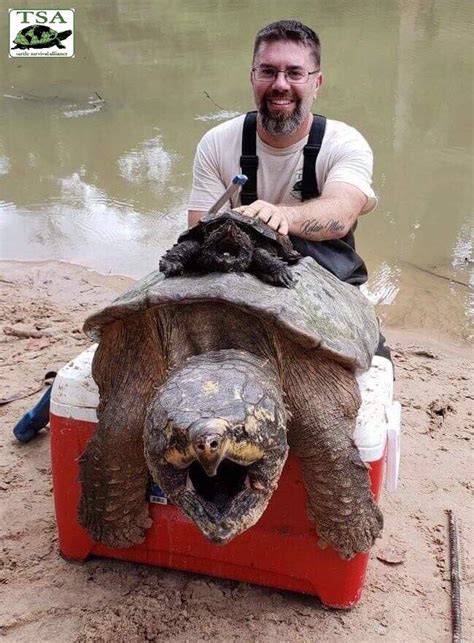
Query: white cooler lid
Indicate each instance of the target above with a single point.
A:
(75, 396)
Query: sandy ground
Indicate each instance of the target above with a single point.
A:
(44, 598)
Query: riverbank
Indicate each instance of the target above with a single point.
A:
(44, 598)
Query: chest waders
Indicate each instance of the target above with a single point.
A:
(336, 255)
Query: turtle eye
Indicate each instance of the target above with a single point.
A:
(180, 439)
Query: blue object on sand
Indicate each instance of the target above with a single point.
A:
(35, 420)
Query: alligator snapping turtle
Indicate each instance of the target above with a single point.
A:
(232, 242)
(205, 381)
(40, 37)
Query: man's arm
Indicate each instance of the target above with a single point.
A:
(330, 216)
(194, 216)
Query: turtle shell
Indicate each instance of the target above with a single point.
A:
(320, 312)
(255, 227)
(35, 36)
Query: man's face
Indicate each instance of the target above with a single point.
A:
(284, 106)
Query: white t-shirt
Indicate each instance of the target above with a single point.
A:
(345, 156)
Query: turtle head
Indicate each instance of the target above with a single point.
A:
(228, 248)
(215, 440)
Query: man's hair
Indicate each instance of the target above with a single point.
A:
(290, 30)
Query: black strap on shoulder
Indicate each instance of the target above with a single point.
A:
(309, 187)
(249, 159)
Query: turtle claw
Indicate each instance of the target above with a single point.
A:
(322, 543)
(350, 538)
(119, 534)
(285, 279)
(171, 268)
(281, 277)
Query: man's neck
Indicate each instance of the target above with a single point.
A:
(282, 141)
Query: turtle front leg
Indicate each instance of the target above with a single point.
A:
(324, 399)
(175, 260)
(113, 507)
(271, 269)
(340, 501)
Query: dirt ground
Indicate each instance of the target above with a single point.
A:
(44, 598)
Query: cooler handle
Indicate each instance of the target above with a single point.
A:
(394, 416)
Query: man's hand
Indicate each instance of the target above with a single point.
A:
(330, 216)
(273, 215)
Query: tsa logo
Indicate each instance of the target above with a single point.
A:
(41, 33)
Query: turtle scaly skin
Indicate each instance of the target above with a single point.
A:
(205, 381)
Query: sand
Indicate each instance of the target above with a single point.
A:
(44, 598)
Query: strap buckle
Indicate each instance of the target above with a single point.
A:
(250, 161)
(311, 151)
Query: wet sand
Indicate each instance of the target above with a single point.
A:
(45, 598)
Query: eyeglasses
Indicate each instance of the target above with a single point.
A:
(293, 76)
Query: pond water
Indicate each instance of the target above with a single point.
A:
(96, 151)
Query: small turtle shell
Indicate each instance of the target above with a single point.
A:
(255, 227)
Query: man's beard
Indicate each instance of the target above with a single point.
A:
(281, 124)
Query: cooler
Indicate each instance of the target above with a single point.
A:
(279, 551)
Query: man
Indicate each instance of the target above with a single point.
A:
(316, 201)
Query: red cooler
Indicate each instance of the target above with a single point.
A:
(279, 551)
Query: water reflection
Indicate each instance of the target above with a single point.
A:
(71, 108)
(463, 251)
(94, 104)
(382, 287)
(4, 165)
(93, 230)
(221, 115)
(149, 161)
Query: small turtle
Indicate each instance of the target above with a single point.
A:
(232, 242)
(40, 37)
(206, 381)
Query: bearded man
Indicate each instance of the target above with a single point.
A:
(309, 177)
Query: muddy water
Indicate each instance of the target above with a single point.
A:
(96, 151)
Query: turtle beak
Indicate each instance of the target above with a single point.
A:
(209, 440)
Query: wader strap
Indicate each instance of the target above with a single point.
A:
(249, 159)
(309, 184)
